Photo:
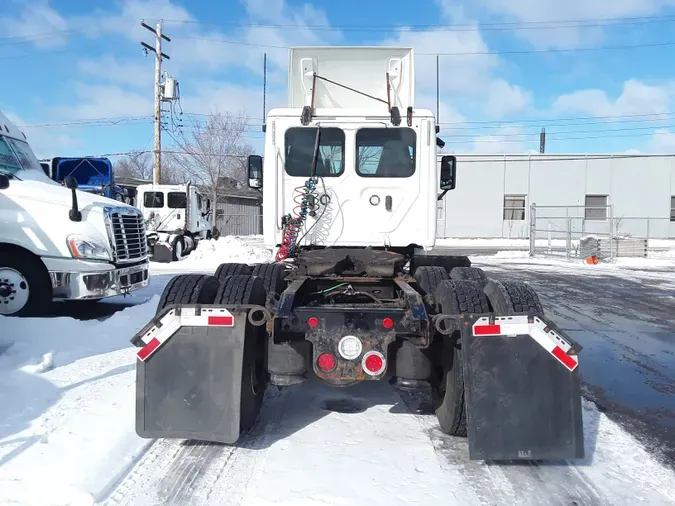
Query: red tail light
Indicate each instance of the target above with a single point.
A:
(326, 362)
(313, 322)
(388, 323)
(373, 363)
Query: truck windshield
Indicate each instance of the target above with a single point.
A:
(385, 152)
(300, 151)
(8, 161)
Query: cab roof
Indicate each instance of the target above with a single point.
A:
(10, 129)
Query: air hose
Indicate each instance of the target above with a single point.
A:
(305, 196)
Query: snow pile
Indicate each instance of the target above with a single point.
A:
(67, 391)
(213, 252)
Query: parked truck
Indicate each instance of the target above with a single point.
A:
(350, 184)
(93, 175)
(177, 217)
(60, 243)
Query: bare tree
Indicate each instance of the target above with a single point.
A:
(136, 164)
(214, 151)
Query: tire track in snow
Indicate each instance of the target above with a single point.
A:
(518, 483)
(181, 473)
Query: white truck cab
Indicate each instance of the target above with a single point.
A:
(58, 243)
(177, 217)
(375, 181)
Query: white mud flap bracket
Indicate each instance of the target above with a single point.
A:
(522, 389)
(188, 373)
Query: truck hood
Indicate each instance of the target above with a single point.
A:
(55, 194)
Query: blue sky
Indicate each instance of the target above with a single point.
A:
(75, 77)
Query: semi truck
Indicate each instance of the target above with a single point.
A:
(93, 175)
(177, 217)
(356, 291)
(60, 243)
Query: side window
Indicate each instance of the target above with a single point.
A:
(8, 162)
(153, 199)
(199, 202)
(176, 200)
(300, 150)
(385, 152)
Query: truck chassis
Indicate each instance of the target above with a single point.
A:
(500, 373)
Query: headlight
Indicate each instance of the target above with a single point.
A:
(86, 247)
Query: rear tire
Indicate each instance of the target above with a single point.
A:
(273, 276)
(511, 297)
(447, 262)
(189, 289)
(227, 269)
(247, 289)
(178, 246)
(454, 297)
(469, 274)
(428, 277)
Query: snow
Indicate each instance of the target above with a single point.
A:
(213, 252)
(67, 391)
(67, 416)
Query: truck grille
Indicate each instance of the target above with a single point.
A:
(128, 236)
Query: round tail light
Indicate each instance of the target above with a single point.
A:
(373, 363)
(388, 323)
(326, 362)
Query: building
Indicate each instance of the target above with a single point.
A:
(634, 194)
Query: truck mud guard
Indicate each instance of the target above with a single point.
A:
(522, 389)
(189, 370)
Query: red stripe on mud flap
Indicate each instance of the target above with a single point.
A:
(222, 321)
(482, 330)
(148, 348)
(566, 360)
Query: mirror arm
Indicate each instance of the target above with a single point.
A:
(440, 197)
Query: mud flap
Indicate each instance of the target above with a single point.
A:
(522, 390)
(188, 374)
(162, 252)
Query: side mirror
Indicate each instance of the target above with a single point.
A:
(255, 166)
(448, 172)
(70, 182)
(4, 181)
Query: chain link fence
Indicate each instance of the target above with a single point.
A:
(582, 232)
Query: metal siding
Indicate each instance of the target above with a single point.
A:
(239, 216)
(637, 188)
(474, 208)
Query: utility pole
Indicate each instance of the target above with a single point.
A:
(158, 93)
(542, 141)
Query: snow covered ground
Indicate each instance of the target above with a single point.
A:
(67, 428)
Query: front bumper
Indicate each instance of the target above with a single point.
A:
(99, 284)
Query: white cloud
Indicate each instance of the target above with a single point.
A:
(105, 101)
(46, 141)
(636, 98)
(110, 69)
(663, 141)
(571, 34)
(505, 140)
(37, 23)
(505, 99)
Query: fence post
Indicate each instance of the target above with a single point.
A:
(611, 233)
(533, 228)
(568, 246)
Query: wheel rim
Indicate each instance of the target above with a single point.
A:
(14, 291)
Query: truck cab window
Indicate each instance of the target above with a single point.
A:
(300, 149)
(153, 199)
(176, 200)
(8, 162)
(385, 152)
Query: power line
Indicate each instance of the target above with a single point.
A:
(501, 26)
(466, 53)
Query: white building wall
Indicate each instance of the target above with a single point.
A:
(636, 187)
